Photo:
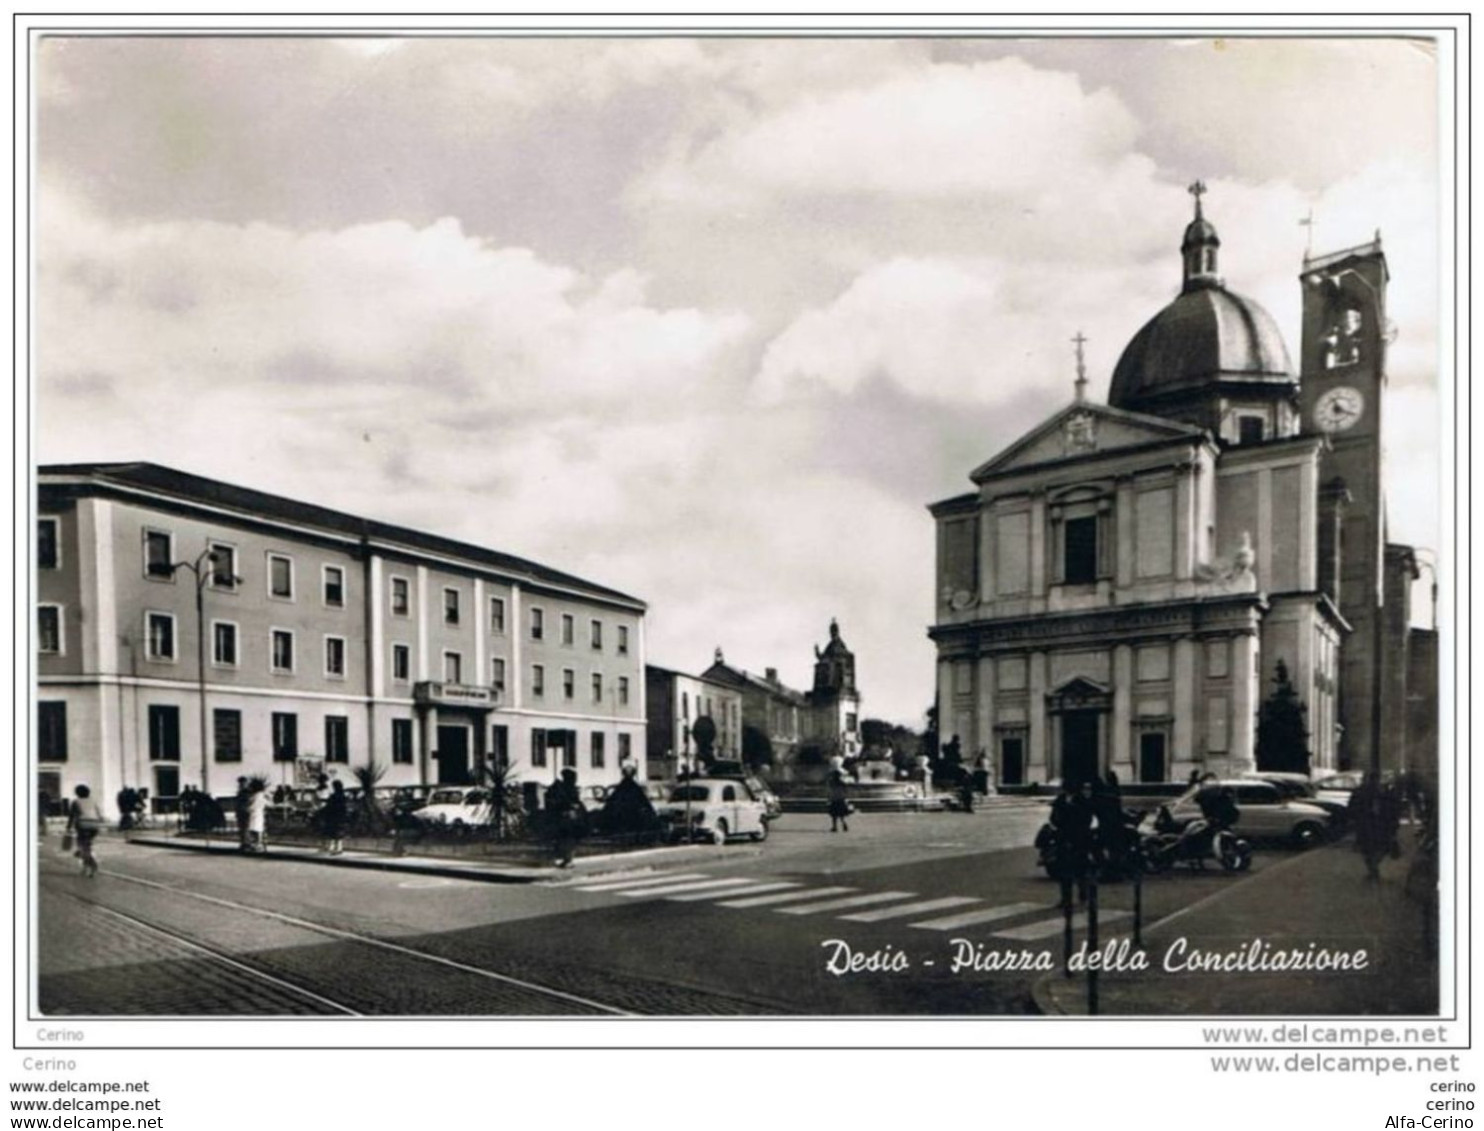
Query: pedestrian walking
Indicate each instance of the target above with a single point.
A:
(257, 818)
(1072, 816)
(334, 817)
(240, 813)
(1373, 815)
(565, 817)
(84, 820)
(839, 800)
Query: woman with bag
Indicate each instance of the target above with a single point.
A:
(839, 806)
(84, 819)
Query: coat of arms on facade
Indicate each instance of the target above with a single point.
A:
(1079, 433)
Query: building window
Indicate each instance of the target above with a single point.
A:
(1251, 429)
(1080, 558)
(597, 687)
(685, 705)
(1152, 766)
(569, 683)
(538, 747)
(450, 606)
(335, 657)
(497, 675)
(538, 623)
(280, 577)
(285, 736)
(159, 635)
(334, 587)
(538, 680)
(500, 747)
(223, 644)
(337, 739)
(567, 740)
(159, 555)
(625, 748)
(164, 733)
(283, 650)
(49, 628)
(849, 723)
(224, 567)
(48, 548)
(598, 755)
(453, 667)
(226, 733)
(497, 615)
(623, 691)
(400, 601)
(401, 662)
(51, 731)
(402, 741)
(567, 629)
(597, 635)
(623, 640)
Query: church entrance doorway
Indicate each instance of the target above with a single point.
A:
(1152, 756)
(1079, 745)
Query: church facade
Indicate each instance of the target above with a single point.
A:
(1127, 582)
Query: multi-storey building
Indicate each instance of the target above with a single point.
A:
(190, 631)
(675, 701)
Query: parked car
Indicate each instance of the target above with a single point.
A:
(1338, 787)
(1298, 787)
(755, 786)
(1265, 813)
(456, 808)
(717, 808)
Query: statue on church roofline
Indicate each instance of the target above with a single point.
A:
(1231, 575)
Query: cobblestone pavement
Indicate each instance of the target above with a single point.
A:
(94, 962)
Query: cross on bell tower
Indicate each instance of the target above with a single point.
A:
(1198, 248)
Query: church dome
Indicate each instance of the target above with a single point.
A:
(1206, 335)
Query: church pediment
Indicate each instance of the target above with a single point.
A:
(1079, 692)
(1082, 430)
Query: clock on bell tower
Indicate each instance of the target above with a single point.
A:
(1342, 381)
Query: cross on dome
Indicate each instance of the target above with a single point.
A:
(1197, 190)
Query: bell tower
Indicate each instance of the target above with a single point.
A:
(1342, 386)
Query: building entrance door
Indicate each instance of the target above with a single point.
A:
(1079, 745)
(453, 755)
(1152, 756)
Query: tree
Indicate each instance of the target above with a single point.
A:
(757, 748)
(703, 730)
(368, 817)
(1282, 737)
(497, 775)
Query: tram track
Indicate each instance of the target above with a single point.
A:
(304, 965)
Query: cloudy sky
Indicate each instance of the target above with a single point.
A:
(710, 321)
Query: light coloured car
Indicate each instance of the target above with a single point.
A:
(1264, 812)
(1298, 787)
(1338, 787)
(717, 808)
(456, 808)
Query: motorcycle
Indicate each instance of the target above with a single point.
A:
(1193, 845)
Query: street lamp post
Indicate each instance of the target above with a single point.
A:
(202, 569)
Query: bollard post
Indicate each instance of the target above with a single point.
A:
(1092, 946)
(1139, 903)
(1066, 940)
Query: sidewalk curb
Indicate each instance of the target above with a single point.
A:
(391, 864)
(586, 867)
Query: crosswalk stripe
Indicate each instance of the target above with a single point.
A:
(1044, 928)
(676, 889)
(619, 885)
(919, 908)
(755, 889)
(986, 915)
(764, 900)
(842, 904)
